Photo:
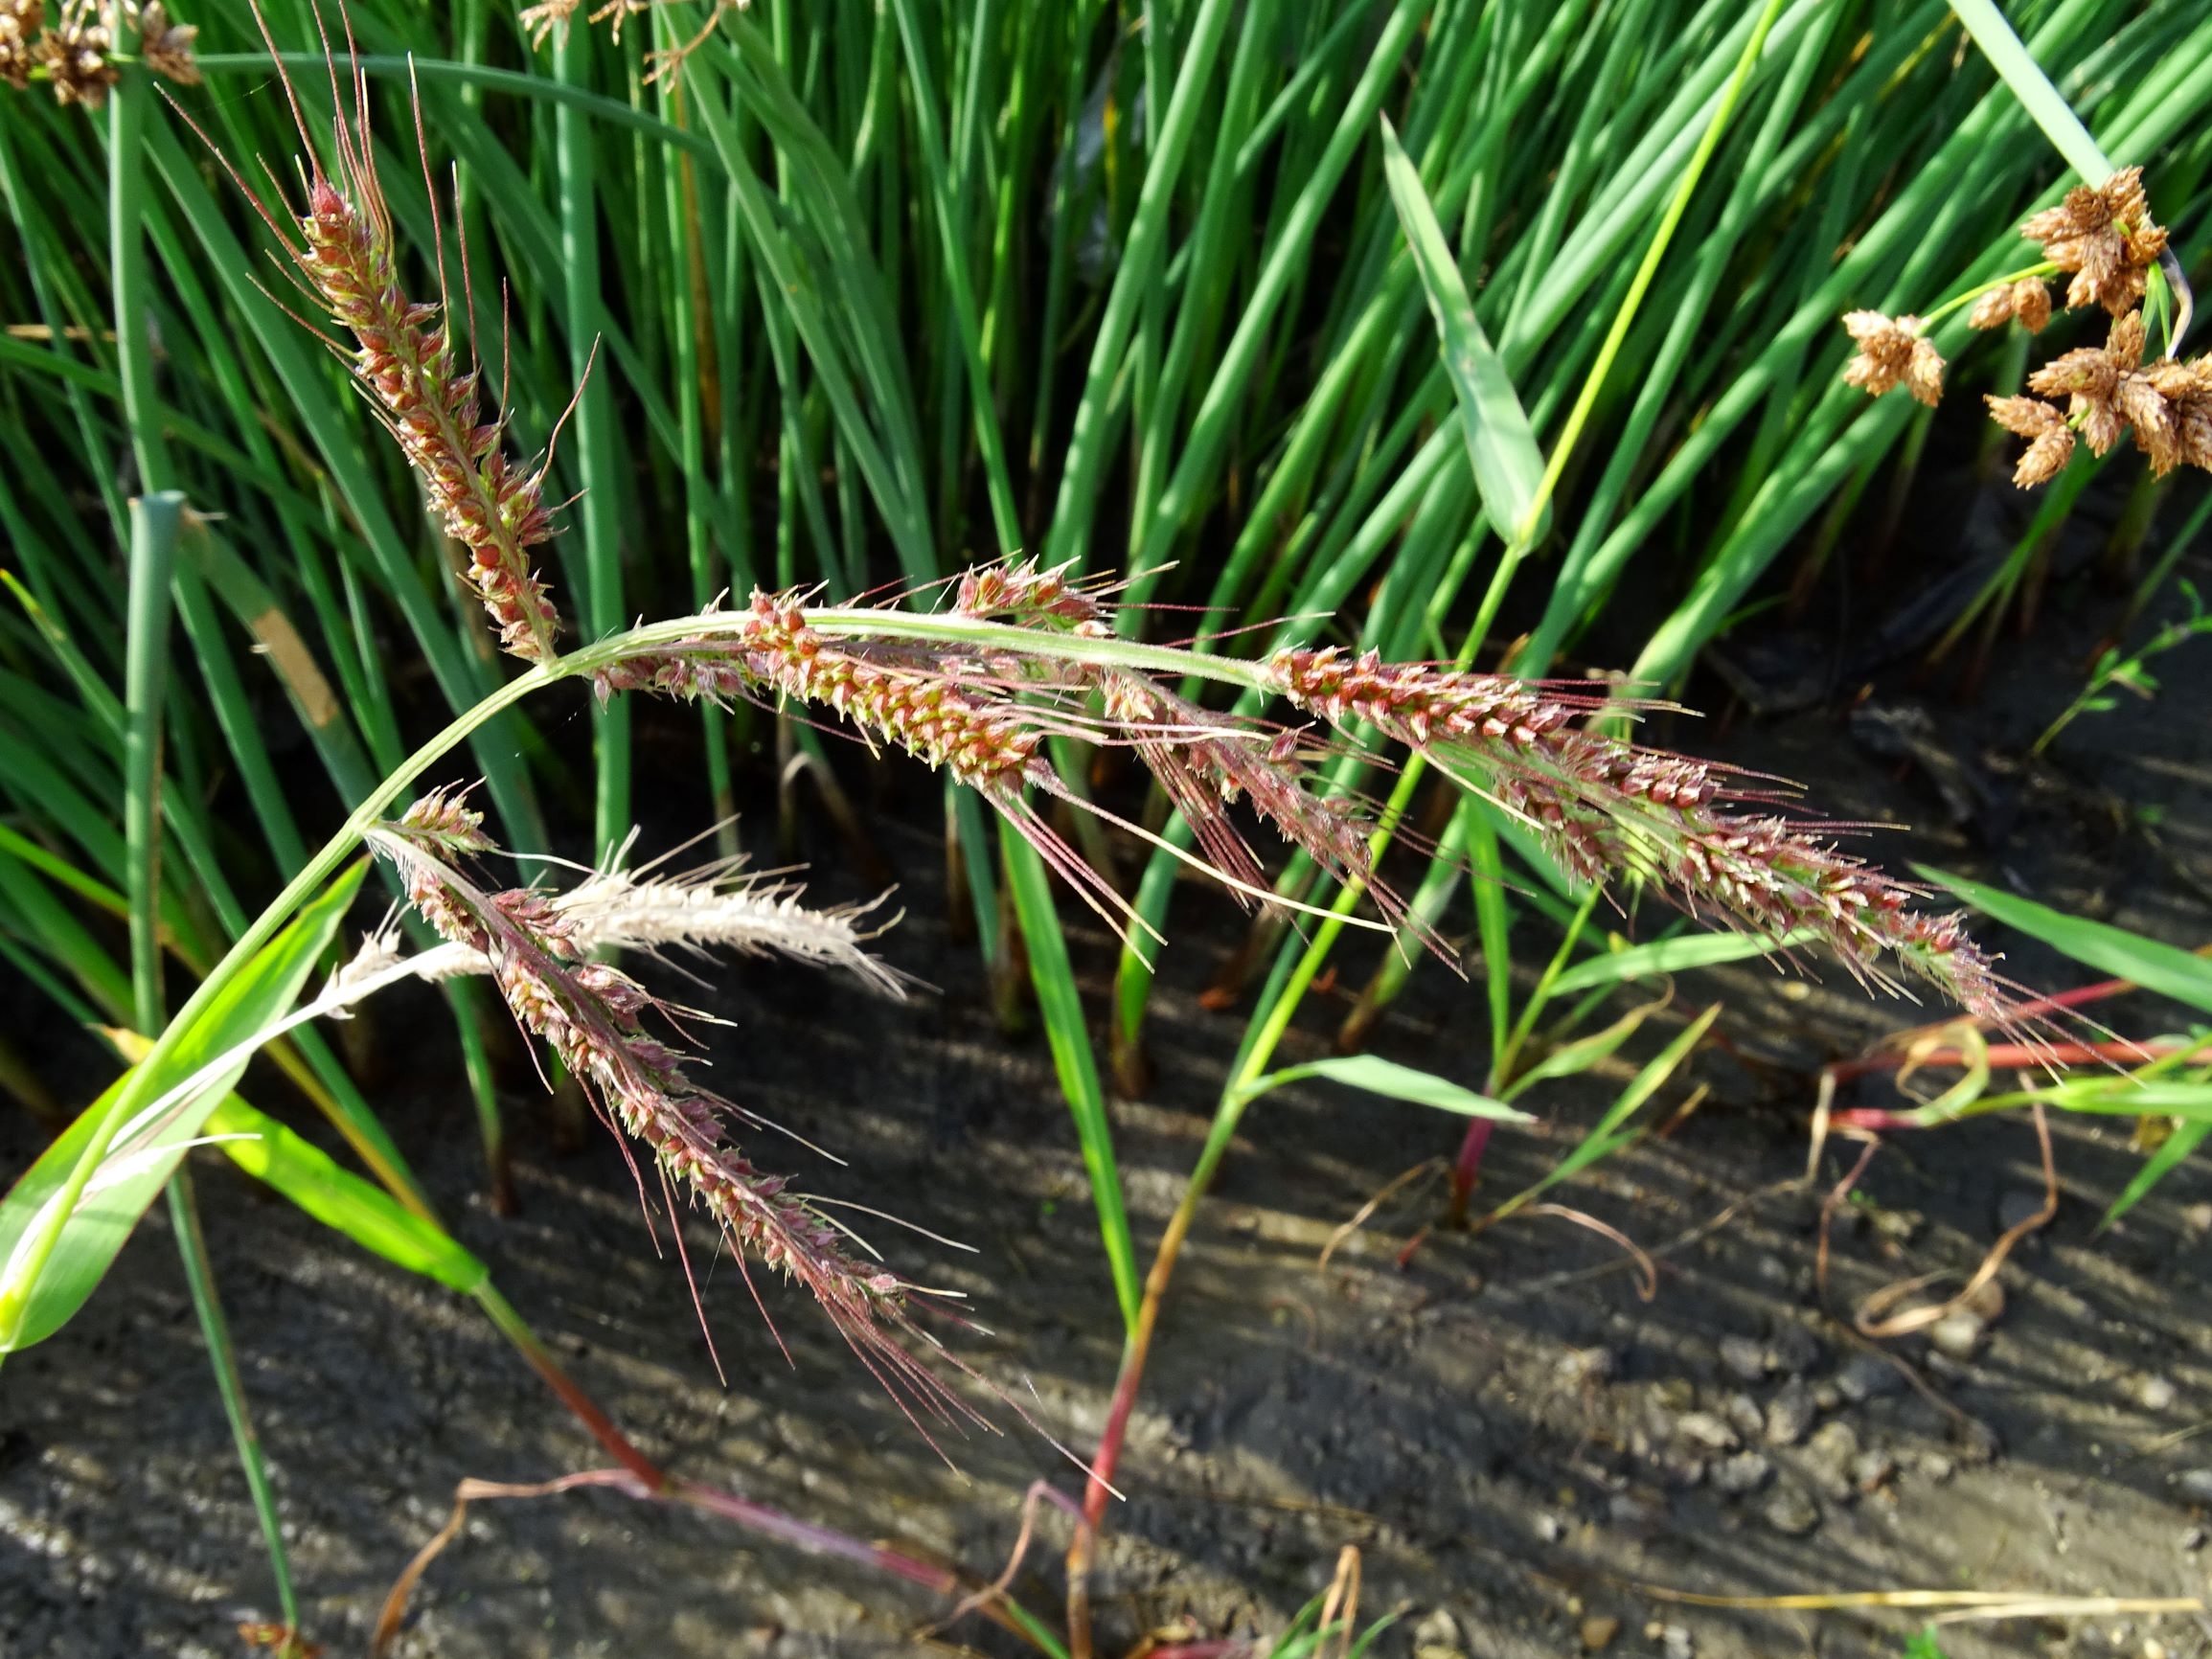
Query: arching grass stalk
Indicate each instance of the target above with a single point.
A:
(977, 634)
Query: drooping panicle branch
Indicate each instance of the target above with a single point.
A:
(1606, 807)
(591, 1015)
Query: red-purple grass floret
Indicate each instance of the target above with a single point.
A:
(591, 1015)
(1606, 807)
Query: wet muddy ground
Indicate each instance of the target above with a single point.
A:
(1531, 1458)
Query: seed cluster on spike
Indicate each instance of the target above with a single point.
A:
(1029, 597)
(934, 704)
(979, 738)
(406, 355)
(1606, 807)
(591, 1015)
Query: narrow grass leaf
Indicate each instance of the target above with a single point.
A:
(58, 1230)
(340, 1200)
(1500, 443)
(1399, 1083)
(2164, 968)
(1671, 956)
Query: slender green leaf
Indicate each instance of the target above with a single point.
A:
(1399, 1083)
(340, 1200)
(2164, 968)
(1665, 956)
(1500, 443)
(63, 1222)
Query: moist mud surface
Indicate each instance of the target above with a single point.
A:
(1532, 1456)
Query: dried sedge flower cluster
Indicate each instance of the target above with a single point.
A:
(1893, 352)
(2104, 236)
(404, 355)
(74, 51)
(591, 1016)
(547, 18)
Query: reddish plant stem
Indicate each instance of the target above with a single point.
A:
(820, 1540)
(1468, 1165)
(1083, 1551)
(649, 1474)
(2003, 1055)
(642, 1478)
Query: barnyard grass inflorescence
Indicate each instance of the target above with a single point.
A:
(591, 1015)
(404, 354)
(1712, 840)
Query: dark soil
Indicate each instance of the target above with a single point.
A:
(1520, 1447)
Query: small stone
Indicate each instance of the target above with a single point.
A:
(2019, 1204)
(1935, 1466)
(1742, 1358)
(2195, 1485)
(2197, 1218)
(1675, 1641)
(2154, 1394)
(1640, 1513)
(1598, 1634)
(1438, 1628)
(1829, 1457)
(1681, 1469)
(1826, 1396)
(1590, 1365)
(1872, 1470)
(1976, 1441)
(1550, 1528)
(1790, 1510)
(2154, 1648)
(1868, 1376)
(1743, 1416)
(1707, 1430)
(1792, 1348)
(1898, 1226)
(2191, 1540)
(1957, 1334)
(1744, 1472)
(1791, 1413)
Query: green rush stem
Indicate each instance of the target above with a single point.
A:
(599, 511)
(154, 523)
(1005, 519)
(515, 81)
(156, 518)
(133, 291)
(1595, 381)
(839, 622)
(222, 1359)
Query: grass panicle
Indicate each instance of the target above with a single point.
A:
(406, 357)
(1609, 808)
(590, 1014)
